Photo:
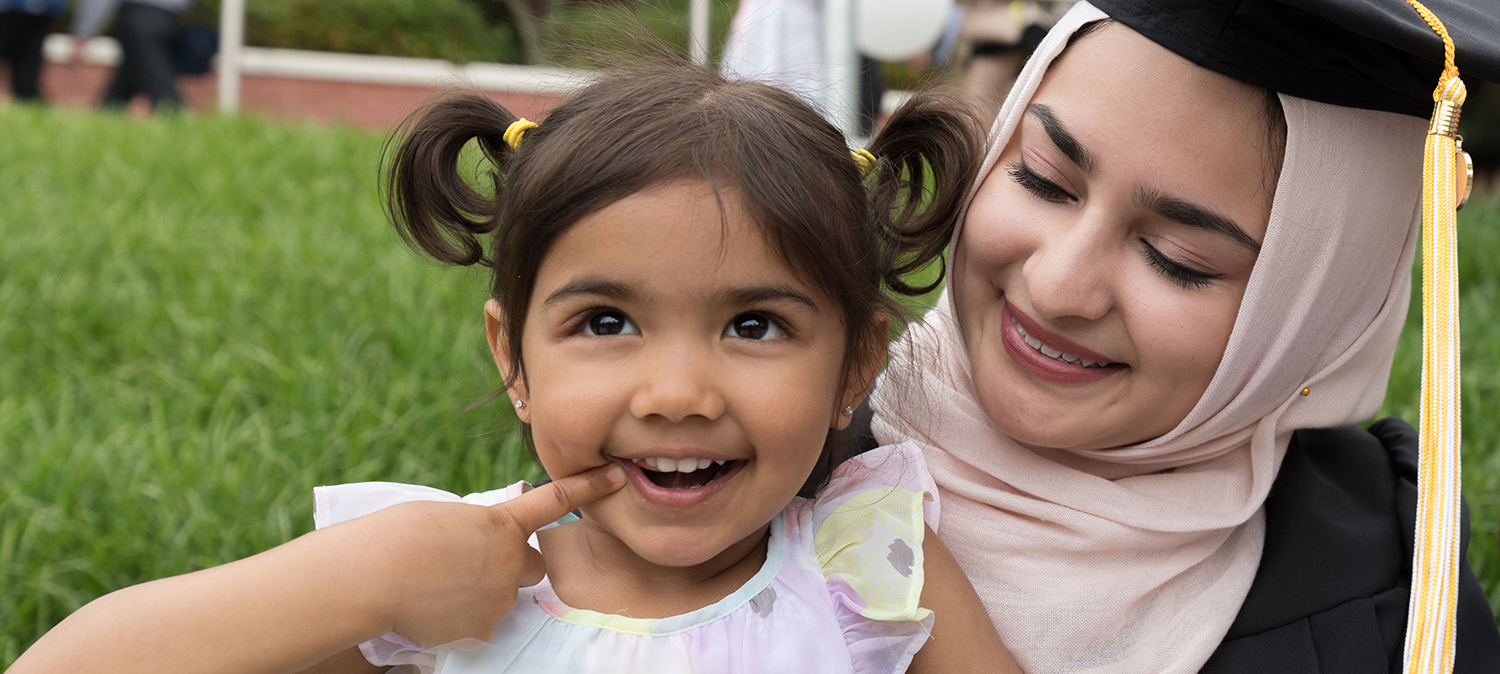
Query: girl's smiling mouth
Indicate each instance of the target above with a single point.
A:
(679, 482)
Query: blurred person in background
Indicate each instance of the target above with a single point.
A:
(1000, 37)
(147, 30)
(780, 42)
(23, 28)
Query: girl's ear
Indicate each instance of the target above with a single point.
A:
(863, 371)
(494, 332)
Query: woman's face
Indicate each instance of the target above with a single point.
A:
(1104, 257)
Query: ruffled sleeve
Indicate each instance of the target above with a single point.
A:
(868, 524)
(341, 503)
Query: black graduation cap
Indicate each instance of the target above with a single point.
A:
(1371, 54)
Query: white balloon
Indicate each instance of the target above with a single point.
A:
(896, 30)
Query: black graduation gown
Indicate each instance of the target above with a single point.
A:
(1330, 596)
(1331, 592)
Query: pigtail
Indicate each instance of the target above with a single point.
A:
(434, 209)
(929, 155)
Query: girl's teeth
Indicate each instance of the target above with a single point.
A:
(664, 464)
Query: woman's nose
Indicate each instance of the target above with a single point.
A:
(1068, 274)
(678, 382)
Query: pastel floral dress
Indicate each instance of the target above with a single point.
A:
(837, 593)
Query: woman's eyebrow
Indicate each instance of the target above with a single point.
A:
(1061, 138)
(1177, 210)
(591, 286)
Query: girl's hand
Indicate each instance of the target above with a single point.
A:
(458, 578)
(434, 573)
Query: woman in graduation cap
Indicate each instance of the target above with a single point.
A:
(1190, 245)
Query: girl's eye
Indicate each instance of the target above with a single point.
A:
(1176, 272)
(753, 326)
(1038, 186)
(609, 322)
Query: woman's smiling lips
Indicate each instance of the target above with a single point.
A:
(636, 472)
(1051, 357)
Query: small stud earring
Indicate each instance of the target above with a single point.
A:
(520, 404)
(848, 411)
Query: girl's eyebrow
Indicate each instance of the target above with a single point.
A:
(621, 292)
(757, 294)
(1064, 141)
(591, 286)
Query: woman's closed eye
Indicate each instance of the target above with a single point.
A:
(754, 325)
(607, 323)
(1033, 182)
(1177, 272)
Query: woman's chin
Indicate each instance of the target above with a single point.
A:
(1040, 419)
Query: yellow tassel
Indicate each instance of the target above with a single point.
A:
(1435, 562)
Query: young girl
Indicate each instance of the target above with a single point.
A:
(689, 299)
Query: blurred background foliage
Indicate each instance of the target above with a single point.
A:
(541, 32)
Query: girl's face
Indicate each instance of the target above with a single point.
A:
(683, 348)
(1104, 257)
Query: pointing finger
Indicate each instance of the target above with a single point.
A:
(546, 504)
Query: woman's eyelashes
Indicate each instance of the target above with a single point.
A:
(1034, 183)
(1177, 272)
(755, 325)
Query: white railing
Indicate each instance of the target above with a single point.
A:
(361, 68)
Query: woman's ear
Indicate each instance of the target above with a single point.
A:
(863, 370)
(494, 332)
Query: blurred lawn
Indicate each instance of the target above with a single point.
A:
(201, 319)
(1479, 278)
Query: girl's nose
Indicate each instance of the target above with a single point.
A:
(1068, 273)
(679, 383)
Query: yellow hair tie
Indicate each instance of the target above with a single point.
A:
(515, 130)
(865, 160)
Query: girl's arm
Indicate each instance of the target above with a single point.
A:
(962, 639)
(432, 572)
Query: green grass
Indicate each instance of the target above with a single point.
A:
(200, 320)
(203, 318)
(1479, 299)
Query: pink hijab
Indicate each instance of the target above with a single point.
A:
(1097, 560)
